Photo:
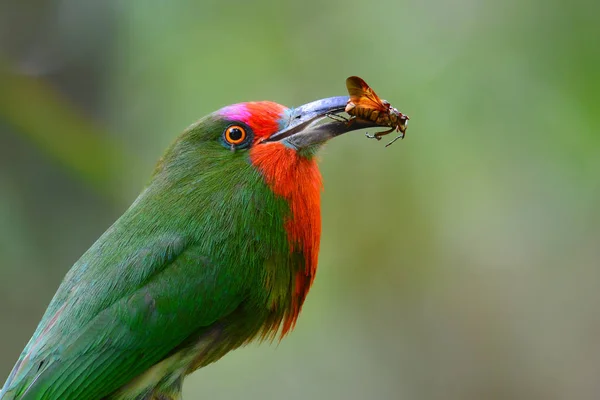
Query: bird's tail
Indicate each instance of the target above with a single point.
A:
(4, 395)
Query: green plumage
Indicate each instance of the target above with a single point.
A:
(174, 284)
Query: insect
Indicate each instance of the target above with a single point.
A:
(364, 104)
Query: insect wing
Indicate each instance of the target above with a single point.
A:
(362, 95)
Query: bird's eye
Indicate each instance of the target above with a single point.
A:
(235, 135)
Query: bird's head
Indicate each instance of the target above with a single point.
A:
(265, 135)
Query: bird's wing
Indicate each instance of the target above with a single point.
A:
(178, 291)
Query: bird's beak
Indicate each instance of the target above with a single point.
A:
(302, 127)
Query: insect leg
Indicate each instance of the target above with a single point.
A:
(396, 138)
(378, 135)
(339, 118)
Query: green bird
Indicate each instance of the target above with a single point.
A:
(220, 248)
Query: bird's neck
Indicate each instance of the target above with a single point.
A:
(296, 178)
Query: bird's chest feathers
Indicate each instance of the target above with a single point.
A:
(296, 179)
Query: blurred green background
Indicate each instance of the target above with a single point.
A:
(460, 263)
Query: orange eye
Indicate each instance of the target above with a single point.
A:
(235, 134)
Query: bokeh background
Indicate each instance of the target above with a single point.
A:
(460, 263)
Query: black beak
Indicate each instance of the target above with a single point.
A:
(302, 128)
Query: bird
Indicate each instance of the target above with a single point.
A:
(219, 249)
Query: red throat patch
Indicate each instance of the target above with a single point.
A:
(298, 180)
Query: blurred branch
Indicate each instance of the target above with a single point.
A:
(43, 116)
